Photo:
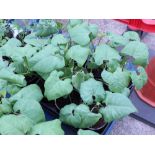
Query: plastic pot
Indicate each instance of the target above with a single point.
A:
(69, 130)
(147, 93)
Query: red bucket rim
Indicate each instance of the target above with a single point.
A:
(141, 96)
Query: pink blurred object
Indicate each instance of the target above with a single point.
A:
(146, 25)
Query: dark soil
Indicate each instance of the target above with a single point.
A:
(35, 79)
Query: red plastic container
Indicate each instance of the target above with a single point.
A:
(147, 93)
(146, 25)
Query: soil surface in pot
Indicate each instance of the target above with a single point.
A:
(55, 106)
(22, 35)
(9, 33)
(97, 73)
(99, 126)
(69, 130)
(35, 79)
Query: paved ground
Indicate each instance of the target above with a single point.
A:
(131, 126)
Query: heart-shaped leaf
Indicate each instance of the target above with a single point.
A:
(49, 50)
(29, 92)
(15, 124)
(118, 106)
(140, 79)
(92, 89)
(13, 42)
(48, 128)
(74, 22)
(112, 65)
(8, 75)
(59, 40)
(80, 34)
(48, 64)
(78, 78)
(78, 116)
(5, 108)
(32, 39)
(46, 27)
(31, 109)
(131, 35)
(116, 81)
(93, 28)
(138, 51)
(79, 54)
(116, 40)
(105, 53)
(55, 87)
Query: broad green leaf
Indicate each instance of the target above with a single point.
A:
(131, 35)
(92, 65)
(140, 79)
(6, 74)
(1, 113)
(116, 81)
(12, 89)
(5, 108)
(79, 54)
(78, 78)
(29, 92)
(43, 31)
(117, 107)
(93, 28)
(68, 71)
(92, 89)
(46, 27)
(138, 51)
(78, 116)
(44, 75)
(49, 63)
(105, 53)
(15, 124)
(80, 34)
(113, 65)
(116, 40)
(6, 50)
(74, 22)
(48, 50)
(2, 93)
(17, 53)
(3, 64)
(3, 85)
(13, 42)
(20, 67)
(48, 128)
(32, 39)
(27, 51)
(59, 40)
(87, 132)
(126, 92)
(55, 87)
(30, 108)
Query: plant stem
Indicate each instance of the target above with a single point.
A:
(123, 62)
(55, 102)
(70, 98)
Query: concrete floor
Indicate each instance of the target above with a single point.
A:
(131, 126)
